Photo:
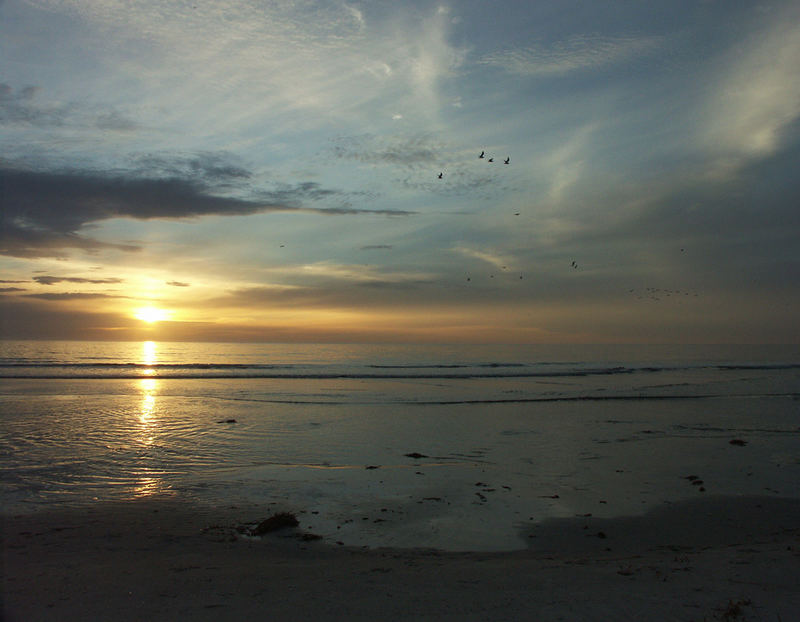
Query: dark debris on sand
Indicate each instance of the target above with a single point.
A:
(281, 520)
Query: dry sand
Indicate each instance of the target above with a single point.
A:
(717, 558)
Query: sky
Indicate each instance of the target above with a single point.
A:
(309, 171)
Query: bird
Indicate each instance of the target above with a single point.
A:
(507, 160)
(481, 156)
(490, 160)
(440, 175)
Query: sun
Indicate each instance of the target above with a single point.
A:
(151, 314)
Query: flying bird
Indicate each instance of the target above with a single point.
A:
(440, 175)
(490, 160)
(507, 160)
(481, 156)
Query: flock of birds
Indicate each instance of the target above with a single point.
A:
(651, 293)
(659, 293)
(490, 159)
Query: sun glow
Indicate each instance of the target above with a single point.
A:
(151, 314)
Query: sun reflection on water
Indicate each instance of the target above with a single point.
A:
(147, 487)
(149, 357)
(148, 482)
(149, 388)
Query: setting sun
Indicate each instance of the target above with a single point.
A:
(151, 314)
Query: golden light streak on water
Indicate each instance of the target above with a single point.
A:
(148, 484)
(149, 352)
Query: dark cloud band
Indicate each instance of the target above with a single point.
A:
(44, 211)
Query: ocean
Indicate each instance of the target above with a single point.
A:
(453, 447)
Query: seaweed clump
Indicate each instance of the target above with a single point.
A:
(281, 520)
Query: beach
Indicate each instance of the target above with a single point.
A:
(717, 558)
(464, 484)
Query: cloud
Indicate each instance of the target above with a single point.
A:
(178, 284)
(30, 242)
(345, 211)
(206, 167)
(492, 258)
(115, 121)
(757, 94)
(295, 59)
(577, 53)
(51, 280)
(46, 210)
(376, 247)
(355, 273)
(405, 151)
(292, 194)
(72, 296)
(417, 160)
(27, 318)
(20, 107)
(6, 290)
(342, 294)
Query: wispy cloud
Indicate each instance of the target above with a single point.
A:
(52, 280)
(577, 53)
(494, 259)
(757, 95)
(21, 107)
(206, 167)
(284, 57)
(357, 273)
(412, 152)
(72, 296)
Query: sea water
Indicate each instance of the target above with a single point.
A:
(454, 447)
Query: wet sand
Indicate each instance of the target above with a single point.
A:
(713, 558)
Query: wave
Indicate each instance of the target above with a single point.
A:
(146, 366)
(455, 365)
(198, 370)
(48, 370)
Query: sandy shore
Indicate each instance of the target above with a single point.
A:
(716, 558)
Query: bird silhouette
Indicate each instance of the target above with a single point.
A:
(481, 156)
(490, 160)
(440, 175)
(507, 160)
